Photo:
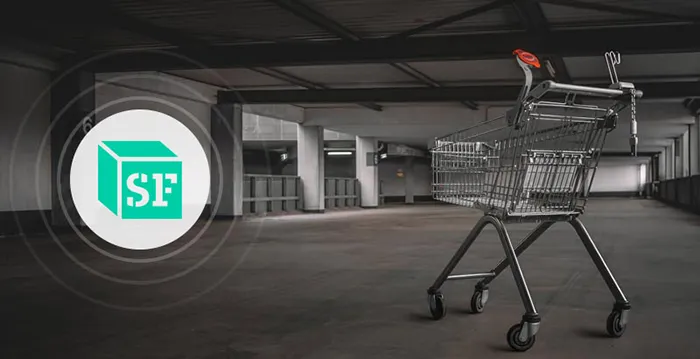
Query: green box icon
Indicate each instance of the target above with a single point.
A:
(139, 179)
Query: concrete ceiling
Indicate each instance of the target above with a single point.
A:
(255, 30)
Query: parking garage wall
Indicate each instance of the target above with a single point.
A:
(25, 167)
(393, 174)
(617, 177)
(188, 101)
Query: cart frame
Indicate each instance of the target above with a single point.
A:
(521, 336)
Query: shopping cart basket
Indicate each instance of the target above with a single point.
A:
(536, 163)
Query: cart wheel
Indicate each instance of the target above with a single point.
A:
(437, 305)
(514, 340)
(614, 327)
(477, 305)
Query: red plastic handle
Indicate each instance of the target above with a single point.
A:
(527, 58)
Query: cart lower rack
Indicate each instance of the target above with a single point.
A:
(536, 164)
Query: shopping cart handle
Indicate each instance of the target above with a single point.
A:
(550, 86)
(527, 58)
(526, 61)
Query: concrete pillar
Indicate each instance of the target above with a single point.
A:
(72, 106)
(227, 139)
(671, 160)
(643, 176)
(694, 140)
(310, 167)
(662, 170)
(409, 179)
(648, 184)
(367, 170)
(678, 157)
(684, 170)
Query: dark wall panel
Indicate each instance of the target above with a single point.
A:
(681, 192)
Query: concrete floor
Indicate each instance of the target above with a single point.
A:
(351, 284)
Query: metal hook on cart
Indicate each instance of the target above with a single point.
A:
(613, 58)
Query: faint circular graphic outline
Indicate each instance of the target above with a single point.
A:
(111, 103)
(187, 299)
(53, 234)
(151, 259)
(132, 260)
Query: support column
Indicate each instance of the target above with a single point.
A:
(695, 147)
(649, 185)
(310, 167)
(678, 157)
(671, 160)
(227, 138)
(72, 103)
(662, 170)
(409, 180)
(684, 160)
(643, 176)
(367, 170)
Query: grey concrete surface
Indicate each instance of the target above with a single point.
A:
(351, 284)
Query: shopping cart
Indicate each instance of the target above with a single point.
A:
(536, 163)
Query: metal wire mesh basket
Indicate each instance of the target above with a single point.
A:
(537, 160)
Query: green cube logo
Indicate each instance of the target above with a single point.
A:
(139, 179)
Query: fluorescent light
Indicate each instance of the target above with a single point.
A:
(338, 149)
(340, 153)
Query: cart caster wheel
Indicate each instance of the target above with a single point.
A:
(477, 302)
(437, 306)
(614, 326)
(514, 340)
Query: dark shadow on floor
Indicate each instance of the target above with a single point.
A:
(500, 348)
(592, 333)
(420, 317)
(464, 311)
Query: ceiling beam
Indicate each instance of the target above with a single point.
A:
(154, 32)
(579, 42)
(427, 80)
(452, 19)
(186, 48)
(535, 21)
(203, 82)
(287, 77)
(192, 46)
(36, 46)
(295, 80)
(52, 26)
(654, 15)
(307, 13)
(652, 90)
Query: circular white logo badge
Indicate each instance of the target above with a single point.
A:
(140, 179)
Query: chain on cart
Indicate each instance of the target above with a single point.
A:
(535, 163)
